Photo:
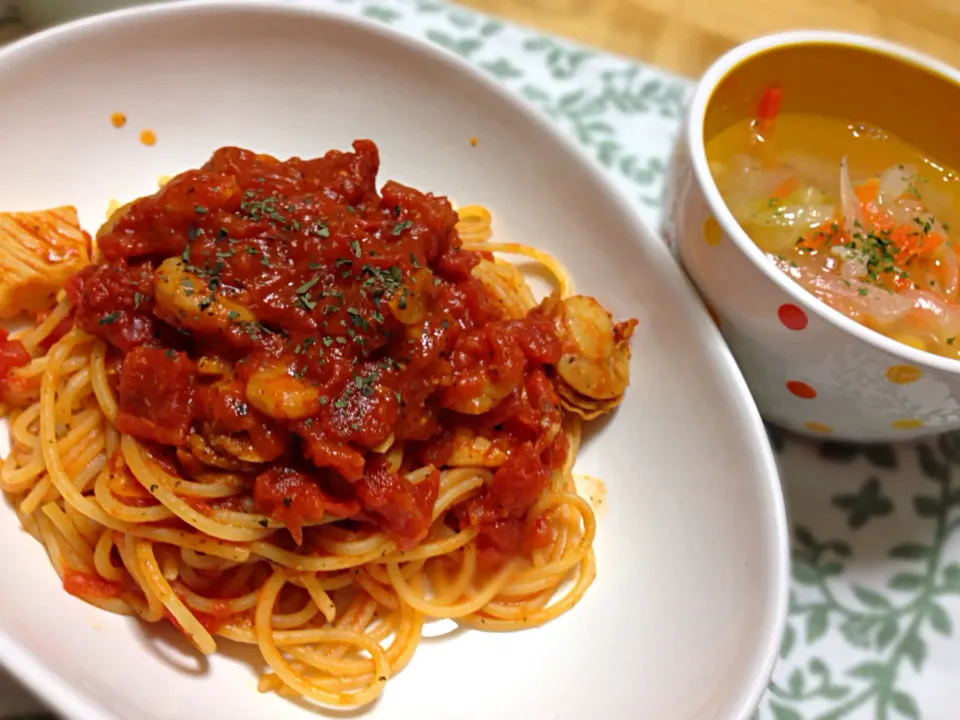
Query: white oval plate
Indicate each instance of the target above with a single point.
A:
(684, 619)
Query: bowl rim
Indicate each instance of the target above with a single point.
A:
(693, 138)
(60, 694)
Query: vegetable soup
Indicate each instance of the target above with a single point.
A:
(857, 216)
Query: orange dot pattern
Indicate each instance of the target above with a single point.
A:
(903, 374)
(712, 232)
(801, 389)
(118, 119)
(148, 137)
(792, 317)
(907, 424)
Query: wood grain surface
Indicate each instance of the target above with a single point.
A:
(686, 35)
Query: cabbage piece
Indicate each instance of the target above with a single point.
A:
(776, 227)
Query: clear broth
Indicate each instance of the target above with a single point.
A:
(885, 258)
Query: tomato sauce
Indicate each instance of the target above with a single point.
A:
(212, 621)
(85, 586)
(12, 353)
(345, 319)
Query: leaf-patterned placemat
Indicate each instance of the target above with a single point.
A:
(875, 596)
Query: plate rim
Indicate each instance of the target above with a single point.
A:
(56, 692)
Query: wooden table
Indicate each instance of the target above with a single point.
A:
(686, 35)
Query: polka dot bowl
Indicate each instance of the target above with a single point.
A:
(810, 368)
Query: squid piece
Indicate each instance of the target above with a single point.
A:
(505, 282)
(409, 303)
(278, 394)
(472, 450)
(202, 450)
(240, 447)
(183, 299)
(594, 371)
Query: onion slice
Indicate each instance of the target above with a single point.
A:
(849, 204)
(894, 183)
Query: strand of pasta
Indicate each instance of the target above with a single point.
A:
(553, 266)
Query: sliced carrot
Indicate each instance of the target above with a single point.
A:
(868, 192)
(826, 235)
(769, 107)
(912, 244)
(929, 243)
(899, 283)
(784, 189)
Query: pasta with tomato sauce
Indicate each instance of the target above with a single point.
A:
(276, 406)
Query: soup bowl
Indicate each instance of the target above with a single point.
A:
(811, 368)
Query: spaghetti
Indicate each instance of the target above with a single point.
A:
(196, 437)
